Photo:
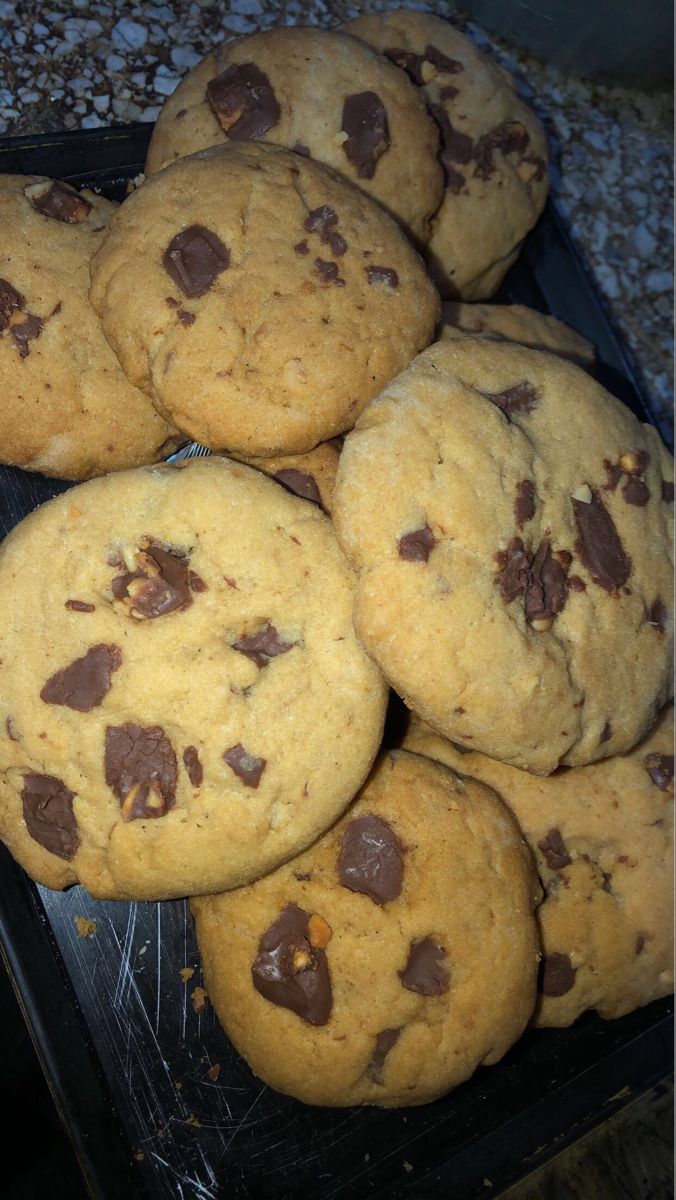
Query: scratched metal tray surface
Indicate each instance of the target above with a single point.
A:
(125, 1052)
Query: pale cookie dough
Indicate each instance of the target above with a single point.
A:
(516, 323)
(603, 840)
(311, 476)
(66, 407)
(259, 298)
(321, 94)
(511, 523)
(394, 957)
(183, 703)
(494, 150)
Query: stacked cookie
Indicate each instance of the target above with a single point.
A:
(203, 711)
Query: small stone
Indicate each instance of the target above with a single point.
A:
(597, 140)
(115, 62)
(659, 281)
(91, 122)
(184, 57)
(644, 242)
(129, 35)
(165, 84)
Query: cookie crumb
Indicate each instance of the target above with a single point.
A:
(186, 973)
(199, 1000)
(85, 927)
(192, 1120)
(408, 1167)
(214, 1072)
(139, 1156)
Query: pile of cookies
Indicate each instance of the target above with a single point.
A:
(203, 711)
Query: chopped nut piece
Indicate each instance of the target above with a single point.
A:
(319, 932)
(301, 959)
(583, 493)
(541, 624)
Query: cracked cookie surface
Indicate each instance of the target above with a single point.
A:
(493, 149)
(516, 323)
(66, 406)
(516, 584)
(321, 94)
(184, 703)
(370, 956)
(602, 837)
(259, 298)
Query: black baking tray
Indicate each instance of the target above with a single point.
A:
(124, 1051)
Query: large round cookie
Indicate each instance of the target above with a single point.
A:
(359, 972)
(259, 298)
(183, 701)
(516, 323)
(603, 840)
(494, 151)
(511, 525)
(66, 407)
(321, 94)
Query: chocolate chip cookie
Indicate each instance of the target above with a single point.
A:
(493, 149)
(259, 298)
(66, 407)
(323, 95)
(311, 476)
(516, 323)
(358, 973)
(603, 840)
(511, 525)
(183, 703)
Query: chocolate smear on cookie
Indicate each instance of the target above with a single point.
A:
(292, 972)
(413, 64)
(557, 975)
(456, 149)
(194, 258)
(384, 1043)
(48, 813)
(660, 768)
(424, 972)
(246, 766)
(83, 685)
(368, 135)
(141, 769)
(599, 545)
(263, 646)
(417, 545)
(300, 484)
(243, 101)
(193, 766)
(510, 137)
(554, 850)
(57, 200)
(371, 859)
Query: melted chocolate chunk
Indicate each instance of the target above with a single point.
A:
(636, 491)
(382, 275)
(80, 606)
(521, 398)
(263, 646)
(292, 973)
(511, 137)
(447, 66)
(599, 546)
(193, 766)
(524, 505)
(83, 685)
(371, 859)
(299, 148)
(368, 135)
(660, 768)
(160, 585)
(657, 615)
(25, 332)
(417, 545)
(547, 588)
(243, 101)
(384, 1043)
(557, 975)
(302, 248)
(321, 221)
(456, 149)
(300, 484)
(614, 474)
(667, 490)
(554, 850)
(10, 301)
(194, 258)
(141, 770)
(48, 813)
(424, 972)
(328, 272)
(246, 766)
(59, 201)
(606, 733)
(513, 575)
(408, 61)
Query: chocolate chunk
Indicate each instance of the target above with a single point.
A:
(10, 301)
(599, 546)
(510, 137)
(80, 606)
(547, 588)
(657, 615)
(321, 220)
(514, 570)
(667, 489)
(160, 585)
(243, 101)
(640, 943)
(635, 491)
(557, 975)
(185, 317)
(449, 92)
(263, 646)
(48, 813)
(521, 398)
(196, 582)
(141, 769)
(300, 484)
(417, 545)
(368, 135)
(423, 972)
(554, 849)
(371, 859)
(328, 272)
(456, 149)
(382, 275)
(83, 685)
(660, 768)
(194, 258)
(292, 973)
(606, 733)
(338, 245)
(59, 201)
(193, 766)
(575, 584)
(25, 332)
(384, 1043)
(299, 148)
(302, 248)
(408, 61)
(246, 766)
(614, 472)
(524, 505)
(447, 66)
